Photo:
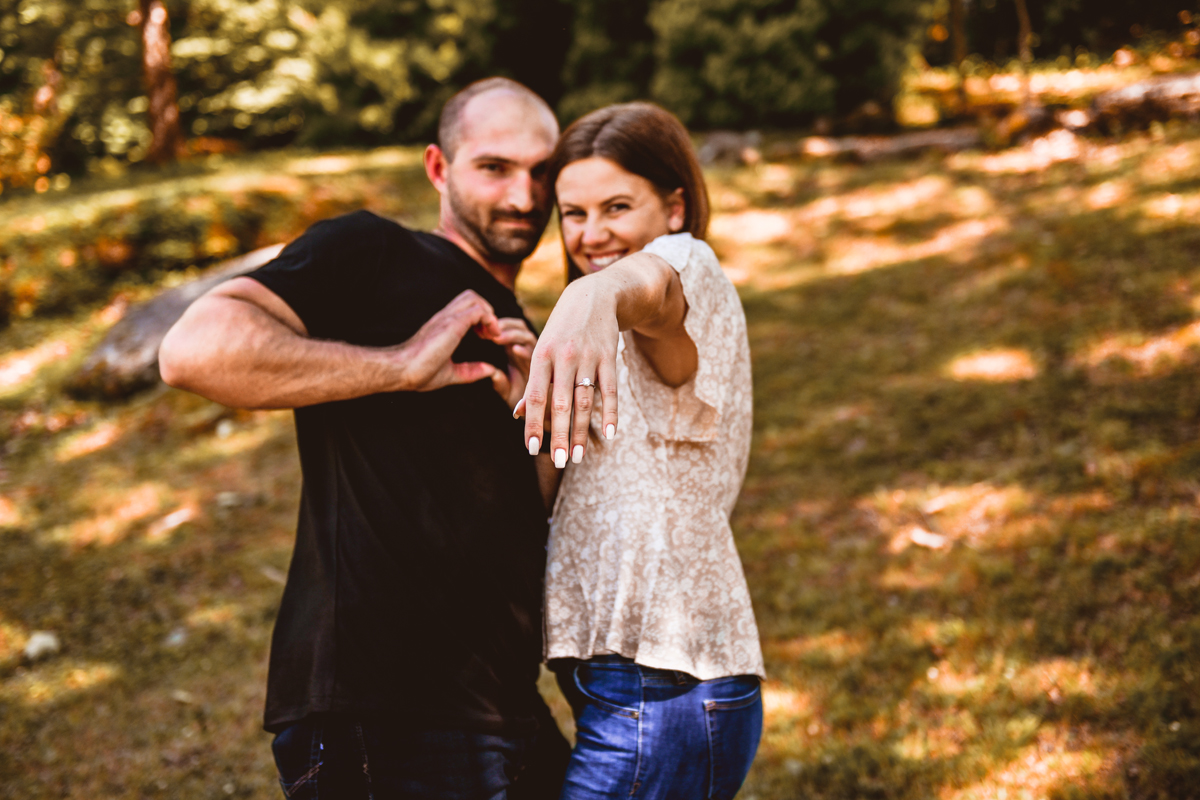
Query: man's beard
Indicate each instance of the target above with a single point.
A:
(479, 227)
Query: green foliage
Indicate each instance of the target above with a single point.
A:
(611, 59)
(778, 62)
(362, 71)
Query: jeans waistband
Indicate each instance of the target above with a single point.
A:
(650, 675)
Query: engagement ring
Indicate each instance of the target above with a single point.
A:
(586, 382)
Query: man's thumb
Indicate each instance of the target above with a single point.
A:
(471, 371)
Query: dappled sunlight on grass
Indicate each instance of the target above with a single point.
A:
(115, 513)
(56, 682)
(994, 366)
(85, 442)
(1144, 356)
(1063, 762)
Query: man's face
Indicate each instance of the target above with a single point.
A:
(496, 184)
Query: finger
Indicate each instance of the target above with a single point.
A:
(501, 383)
(469, 372)
(563, 398)
(537, 393)
(519, 357)
(606, 382)
(581, 421)
(519, 409)
(514, 331)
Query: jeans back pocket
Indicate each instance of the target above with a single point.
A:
(734, 715)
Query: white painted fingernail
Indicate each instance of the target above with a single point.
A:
(610, 431)
(577, 454)
(560, 458)
(534, 446)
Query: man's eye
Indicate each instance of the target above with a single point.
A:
(492, 167)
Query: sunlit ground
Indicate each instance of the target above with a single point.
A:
(970, 523)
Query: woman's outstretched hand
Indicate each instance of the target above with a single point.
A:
(575, 356)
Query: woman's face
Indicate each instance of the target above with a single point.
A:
(608, 213)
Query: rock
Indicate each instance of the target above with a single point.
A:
(730, 147)
(1157, 98)
(126, 360)
(176, 638)
(873, 148)
(227, 500)
(42, 644)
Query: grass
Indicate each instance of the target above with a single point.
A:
(970, 525)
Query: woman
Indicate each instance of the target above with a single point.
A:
(648, 620)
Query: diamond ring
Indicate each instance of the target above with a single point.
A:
(586, 382)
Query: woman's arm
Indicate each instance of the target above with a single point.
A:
(641, 293)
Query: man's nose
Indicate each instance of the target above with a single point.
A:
(522, 192)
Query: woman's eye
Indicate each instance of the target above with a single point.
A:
(617, 208)
(574, 214)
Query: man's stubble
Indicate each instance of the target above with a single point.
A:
(477, 224)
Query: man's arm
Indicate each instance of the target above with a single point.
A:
(241, 345)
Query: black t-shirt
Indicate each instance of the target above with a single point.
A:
(415, 587)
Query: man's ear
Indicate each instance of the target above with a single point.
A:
(676, 210)
(436, 166)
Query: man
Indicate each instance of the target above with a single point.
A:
(405, 655)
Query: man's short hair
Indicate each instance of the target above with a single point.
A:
(450, 122)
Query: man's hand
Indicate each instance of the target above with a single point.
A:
(424, 359)
(518, 342)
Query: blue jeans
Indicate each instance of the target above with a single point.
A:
(655, 734)
(339, 757)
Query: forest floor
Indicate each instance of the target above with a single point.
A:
(971, 524)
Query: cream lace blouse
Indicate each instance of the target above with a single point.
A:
(641, 559)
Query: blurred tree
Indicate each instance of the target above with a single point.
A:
(162, 110)
(611, 55)
(1064, 27)
(1024, 33)
(958, 31)
(779, 62)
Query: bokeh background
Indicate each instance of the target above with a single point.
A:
(964, 232)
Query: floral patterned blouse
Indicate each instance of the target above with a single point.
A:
(641, 558)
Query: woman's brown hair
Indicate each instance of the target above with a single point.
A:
(646, 140)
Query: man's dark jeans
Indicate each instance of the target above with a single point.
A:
(342, 758)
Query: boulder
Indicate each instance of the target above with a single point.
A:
(126, 360)
(1158, 98)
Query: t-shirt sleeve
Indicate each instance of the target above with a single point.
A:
(716, 324)
(318, 274)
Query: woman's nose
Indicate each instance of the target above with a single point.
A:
(594, 232)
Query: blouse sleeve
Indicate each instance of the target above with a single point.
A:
(716, 324)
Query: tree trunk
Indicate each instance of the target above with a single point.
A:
(1024, 32)
(163, 112)
(958, 31)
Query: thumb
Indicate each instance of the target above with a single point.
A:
(501, 383)
(472, 371)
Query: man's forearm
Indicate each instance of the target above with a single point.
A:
(235, 353)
